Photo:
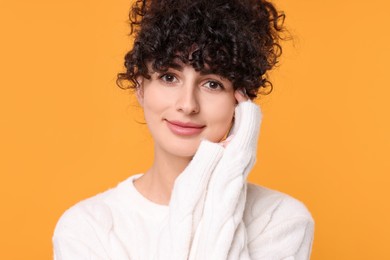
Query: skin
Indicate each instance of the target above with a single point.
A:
(186, 96)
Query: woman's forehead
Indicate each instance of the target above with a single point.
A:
(176, 64)
(179, 65)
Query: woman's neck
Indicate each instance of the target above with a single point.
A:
(157, 183)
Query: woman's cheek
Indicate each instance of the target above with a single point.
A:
(222, 125)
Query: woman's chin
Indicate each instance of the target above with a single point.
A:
(185, 152)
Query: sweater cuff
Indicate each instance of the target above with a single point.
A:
(207, 155)
(194, 179)
(246, 128)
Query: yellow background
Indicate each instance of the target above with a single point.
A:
(67, 132)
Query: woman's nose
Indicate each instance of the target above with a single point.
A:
(187, 101)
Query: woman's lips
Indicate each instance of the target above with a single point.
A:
(184, 128)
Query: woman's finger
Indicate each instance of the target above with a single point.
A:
(240, 95)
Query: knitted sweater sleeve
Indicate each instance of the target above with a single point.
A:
(211, 190)
(223, 233)
(186, 204)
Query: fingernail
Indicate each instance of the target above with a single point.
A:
(243, 92)
(226, 141)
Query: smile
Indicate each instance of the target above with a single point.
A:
(184, 129)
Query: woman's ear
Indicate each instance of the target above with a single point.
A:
(140, 90)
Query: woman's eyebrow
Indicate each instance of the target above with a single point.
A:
(205, 73)
(180, 67)
(176, 66)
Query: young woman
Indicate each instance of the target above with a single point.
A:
(195, 67)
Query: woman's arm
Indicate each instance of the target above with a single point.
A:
(222, 234)
(186, 204)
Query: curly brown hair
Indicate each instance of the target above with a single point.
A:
(236, 39)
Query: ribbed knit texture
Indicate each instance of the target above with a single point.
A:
(226, 197)
(186, 202)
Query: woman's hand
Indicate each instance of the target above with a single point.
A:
(240, 96)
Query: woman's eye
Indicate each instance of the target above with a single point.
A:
(213, 85)
(169, 78)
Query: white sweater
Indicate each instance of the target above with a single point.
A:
(213, 212)
(121, 224)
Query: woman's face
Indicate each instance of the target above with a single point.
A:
(183, 107)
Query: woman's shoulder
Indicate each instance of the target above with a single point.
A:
(93, 212)
(275, 220)
(90, 212)
(261, 199)
(274, 207)
(86, 229)
(86, 223)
